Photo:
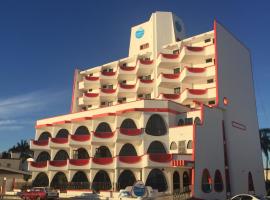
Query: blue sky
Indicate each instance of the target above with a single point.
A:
(42, 42)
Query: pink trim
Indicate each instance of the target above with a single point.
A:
(80, 138)
(197, 91)
(79, 162)
(196, 49)
(80, 119)
(108, 73)
(196, 70)
(170, 56)
(90, 94)
(39, 164)
(160, 157)
(91, 78)
(239, 126)
(40, 142)
(43, 126)
(130, 132)
(146, 62)
(58, 163)
(108, 90)
(62, 122)
(103, 134)
(129, 159)
(171, 76)
(126, 86)
(171, 96)
(73, 89)
(127, 68)
(216, 63)
(146, 81)
(59, 140)
(102, 161)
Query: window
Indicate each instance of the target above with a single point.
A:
(218, 183)
(123, 81)
(125, 179)
(207, 40)
(181, 122)
(176, 70)
(197, 120)
(44, 136)
(144, 46)
(211, 102)
(90, 90)
(156, 126)
(157, 180)
(156, 147)
(129, 124)
(176, 51)
(210, 81)
(177, 90)
(128, 150)
(103, 127)
(62, 133)
(186, 181)
(82, 130)
(176, 181)
(122, 100)
(147, 96)
(173, 146)
(189, 121)
(206, 181)
(189, 144)
(208, 60)
(101, 181)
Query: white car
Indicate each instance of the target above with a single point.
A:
(248, 197)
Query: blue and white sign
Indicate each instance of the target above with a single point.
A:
(139, 189)
(139, 33)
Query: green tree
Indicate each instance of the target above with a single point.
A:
(265, 145)
(23, 149)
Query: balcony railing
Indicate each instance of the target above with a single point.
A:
(103, 134)
(160, 157)
(127, 68)
(59, 140)
(79, 162)
(40, 142)
(91, 78)
(42, 164)
(171, 76)
(169, 56)
(80, 138)
(108, 90)
(103, 161)
(58, 163)
(146, 62)
(130, 131)
(197, 91)
(106, 73)
(195, 48)
(91, 95)
(171, 96)
(130, 159)
(196, 70)
(146, 81)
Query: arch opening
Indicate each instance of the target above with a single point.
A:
(61, 155)
(176, 182)
(128, 124)
(59, 181)
(218, 183)
(156, 126)
(62, 133)
(41, 180)
(79, 181)
(206, 181)
(103, 127)
(101, 181)
(43, 156)
(157, 180)
(103, 152)
(125, 179)
(82, 130)
(156, 147)
(128, 150)
(44, 136)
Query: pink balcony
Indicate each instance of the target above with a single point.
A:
(146, 81)
(80, 138)
(91, 78)
(108, 90)
(170, 56)
(197, 91)
(58, 163)
(195, 70)
(160, 157)
(40, 142)
(105, 73)
(79, 162)
(130, 159)
(171, 96)
(130, 132)
(196, 49)
(103, 134)
(146, 62)
(126, 68)
(171, 76)
(59, 140)
(91, 95)
(124, 86)
(39, 164)
(102, 161)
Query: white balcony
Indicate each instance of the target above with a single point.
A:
(165, 80)
(59, 143)
(144, 67)
(39, 145)
(38, 166)
(165, 59)
(157, 160)
(129, 161)
(79, 140)
(58, 165)
(191, 75)
(189, 95)
(89, 99)
(103, 138)
(129, 134)
(144, 86)
(89, 82)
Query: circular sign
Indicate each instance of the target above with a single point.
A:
(139, 189)
(139, 33)
(178, 26)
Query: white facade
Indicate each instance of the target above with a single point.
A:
(172, 114)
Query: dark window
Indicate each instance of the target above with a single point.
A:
(144, 46)
(62, 133)
(177, 90)
(211, 102)
(208, 60)
(103, 152)
(44, 136)
(176, 51)
(181, 122)
(188, 121)
(101, 181)
(156, 147)
(250, 182)
(206, 181)
(82, 130)
(41, 180)
(128, 150)
(207, 40)
(186, 181)
(218, 183)
(176, 181)
(156, 126)
(61, 155)
(173, 146)
(197, 120)
(176, 70)
(43, 156)
(59, 181)
(189, 144)
(80, 177)
(157, 180)
(125, 179)
(128, 123)
(81, 153)
(210, 81)
(103, 127)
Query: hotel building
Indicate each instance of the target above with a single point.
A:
(178, 113)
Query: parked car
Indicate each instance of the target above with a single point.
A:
(248, 197)
(39, 193)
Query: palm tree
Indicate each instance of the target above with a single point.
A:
(23, 148)
(265, 145)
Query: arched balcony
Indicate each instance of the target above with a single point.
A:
(79, 181)
(156, 126)
(128, 154)
(81, 134)
(129, 127)
(41, 180)
(104, 131)
(59, 181)
(157, 180)
(125, 179)
(101, 181)
(102, 156)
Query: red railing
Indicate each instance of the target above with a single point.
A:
(105, 73)
(59, 140)
(39, 164)
(195, 48)
(58, 163)
(130, 159)
(91, 94)
(79, 162)
(80, 138)
(40, 142)
(124, 86)
(171, 76)
(102, 161)
(197, 91)
(170, 56)
(171, 96)
(195, 70)
(126, 68)
(103, 134)
(91, 78)
(130, 131)
(160, 157)
(108, 90)
(146, 81)
(146, 62)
